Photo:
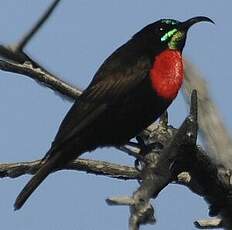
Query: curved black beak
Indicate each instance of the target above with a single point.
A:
(187, 24)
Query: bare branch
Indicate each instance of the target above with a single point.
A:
(121, 200)
(14, 170)
(130, 150)
(21, 63)
(28, 36)
(15, 52)
(209, 223)
(8, 53)
(41, 76)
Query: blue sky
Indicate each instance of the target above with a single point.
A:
(75, 41)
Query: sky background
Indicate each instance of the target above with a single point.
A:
(74, 42)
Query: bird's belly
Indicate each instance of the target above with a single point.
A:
(122, 122)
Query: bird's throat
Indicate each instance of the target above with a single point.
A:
(167, 74)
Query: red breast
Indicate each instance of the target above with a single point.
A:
(167, 74)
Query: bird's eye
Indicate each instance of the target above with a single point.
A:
(161, 29)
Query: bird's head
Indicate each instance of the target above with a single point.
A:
(168, 33)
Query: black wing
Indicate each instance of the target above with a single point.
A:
(119, 74)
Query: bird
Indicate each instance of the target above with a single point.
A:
(130, 90)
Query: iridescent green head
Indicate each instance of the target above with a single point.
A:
(172, 36)
(168, 33)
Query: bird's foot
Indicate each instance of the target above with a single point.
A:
(147, 148)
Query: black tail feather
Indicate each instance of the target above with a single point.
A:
(36, 180)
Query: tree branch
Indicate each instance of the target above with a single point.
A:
(15, 52)
(209, 223)
(19, 62)
(42, 77)
(14, 170)
(31, 33)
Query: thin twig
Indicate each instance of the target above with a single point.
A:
(31, 33)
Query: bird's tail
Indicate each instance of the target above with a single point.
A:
(37, 179)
